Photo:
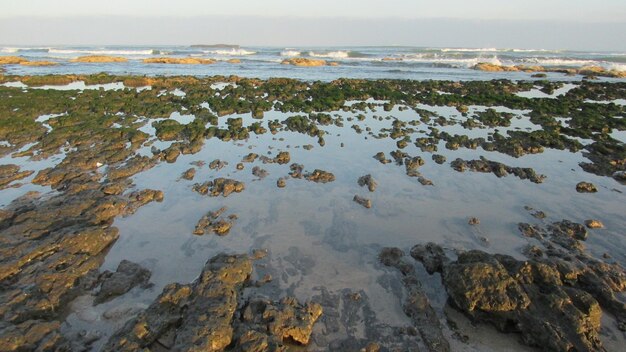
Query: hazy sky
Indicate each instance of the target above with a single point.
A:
(563, 24)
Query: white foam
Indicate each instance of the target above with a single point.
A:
(9, 50)
(616, 67)
(560, 62)
(445, 50)
(450, 60)
(100, 52)
(231, 52)
(290, 53)
(332, 54)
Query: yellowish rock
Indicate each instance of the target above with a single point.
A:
(333, 64)
(99, 59)
(485, 66)
(233, 61)
(300, 61)
(11, 60)
(594, 224)
(176, 60)
(39, 63)
(392, 59)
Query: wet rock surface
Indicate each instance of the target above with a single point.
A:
(319, 176)
(416, 304)
(498, 169)
(366, 203)
(126, 276)
(215, 222)
(219, 186)
(207, 315)
(368, 181)
(10, 173)
(586, 187)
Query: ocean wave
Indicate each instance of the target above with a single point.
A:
(445, 50)
(290, 53)
(559, 62)
(101, 52)
(331, 54)
(435, 59)
(616, 67)
(9, 50)
(231, 52)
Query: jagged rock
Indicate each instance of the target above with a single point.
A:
(473, 221)
(189, 174)
(553, 302)
(498, 169)
(219, 186)
(10, 173)
(214, 222)
(282, 158)
(368, 181)
(126, 276)
(296, 170)
(205, 316)
(320, 176)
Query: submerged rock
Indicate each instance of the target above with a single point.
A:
(498, 169)
(213, 221)
(260, 173)
(368, 181)
(362, 201)
(219, 186)
(126, 276)
(10, 173)
(416, 305)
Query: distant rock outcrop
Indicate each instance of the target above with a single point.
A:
(39, 63)
(99, 59)
(176, 60)
(300, 61)
(11, 60)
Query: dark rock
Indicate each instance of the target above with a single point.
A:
(281, 182)
(282, 158)
(416, 305)
(369, 181)
(260, 173)
(363, 201)
(296, 170)
(498, 169)
(126, 276)
(439, 159)
(249, 158)
(473, 221)
(217, 164)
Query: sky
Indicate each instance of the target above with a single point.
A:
(559, 24)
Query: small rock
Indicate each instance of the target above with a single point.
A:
(369, 181)
(281, 182)
(473, 221)
(594, 224)
(586, 187)
(189, 174)
(363, 201)
(240, 166)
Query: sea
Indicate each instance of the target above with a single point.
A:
(364, 62)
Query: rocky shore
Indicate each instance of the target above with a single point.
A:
(80, 156)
